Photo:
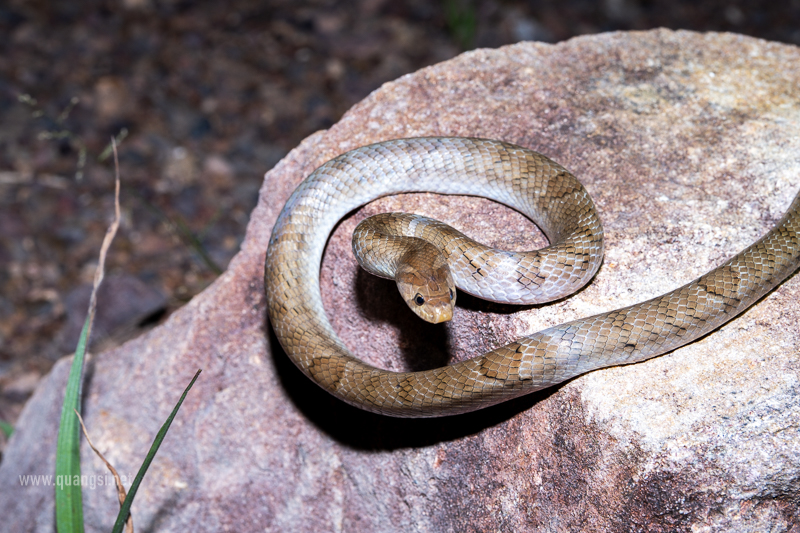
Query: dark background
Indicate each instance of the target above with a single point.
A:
(209, 96)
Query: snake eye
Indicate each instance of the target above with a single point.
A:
(451, 294)
(418, 299)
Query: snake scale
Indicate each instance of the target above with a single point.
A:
(548, 194)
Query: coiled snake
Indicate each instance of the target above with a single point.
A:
(549, 195)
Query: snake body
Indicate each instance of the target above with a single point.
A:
(549, 195)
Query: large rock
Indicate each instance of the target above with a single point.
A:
(689, 145)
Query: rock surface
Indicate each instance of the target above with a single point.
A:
(689, 145)
(127, 300)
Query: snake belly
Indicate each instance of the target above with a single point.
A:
(549, 195)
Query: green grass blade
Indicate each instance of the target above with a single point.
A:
(6, 428)
(69, 499)
(126, 507)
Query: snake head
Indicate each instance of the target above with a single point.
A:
(427, 287)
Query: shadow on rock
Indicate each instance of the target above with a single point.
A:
(422, 345)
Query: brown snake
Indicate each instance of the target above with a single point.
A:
(549, 195)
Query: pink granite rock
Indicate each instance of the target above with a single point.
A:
(689, 145)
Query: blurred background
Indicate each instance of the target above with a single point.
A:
(204, 98)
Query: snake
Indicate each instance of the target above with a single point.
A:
(558, 204)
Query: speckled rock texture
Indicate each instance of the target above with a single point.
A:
(690, 147)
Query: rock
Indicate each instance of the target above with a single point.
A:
(125, 301)
(688, 143)
(113, 99)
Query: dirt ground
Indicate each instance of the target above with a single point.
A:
(204, 98)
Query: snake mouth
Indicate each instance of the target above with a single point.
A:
(437, 309)
(441, 314)
(433, 310)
